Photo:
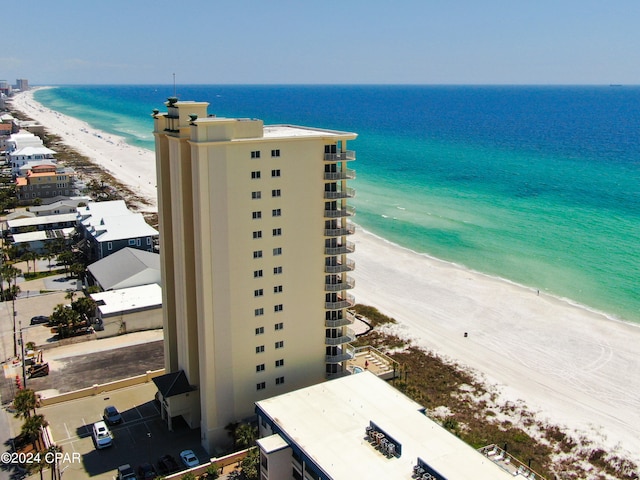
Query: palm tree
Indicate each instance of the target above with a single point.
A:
(30, 256)
(24, 402)
(31, 428)
(245, 436)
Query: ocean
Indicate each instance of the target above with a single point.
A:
(538, 185)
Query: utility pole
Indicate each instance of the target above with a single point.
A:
(24, 367)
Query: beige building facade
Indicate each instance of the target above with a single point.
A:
(254, 223)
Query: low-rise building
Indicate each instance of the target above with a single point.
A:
(44, 181)
(128, 310)
(359, 426)
(126, 268)
(110, 226)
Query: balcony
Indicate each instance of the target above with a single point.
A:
(338, 287)
(346, 156)
(345, 174)
(340, 212)
(348, 352)
(347, 266)
(349, 337)
(347, 301)
(340, 322)
(346, 193)
(339, 232)
(349, 247)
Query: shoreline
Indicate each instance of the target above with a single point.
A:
(575, 367)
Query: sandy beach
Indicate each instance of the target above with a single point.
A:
(576, 368)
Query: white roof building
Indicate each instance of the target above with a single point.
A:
(126, 300)
(111, 226)
(326, 431)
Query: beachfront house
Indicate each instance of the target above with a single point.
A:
(26, 155)
(43, 180)
(108, 227)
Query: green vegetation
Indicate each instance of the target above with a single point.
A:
(74, 319)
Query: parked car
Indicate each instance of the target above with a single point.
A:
(167, 464)
(147, 472)
(111, 415)
(189, 458)
(39, 319)
(102, 435)
(125, 472)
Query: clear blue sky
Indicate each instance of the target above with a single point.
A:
(322, 41)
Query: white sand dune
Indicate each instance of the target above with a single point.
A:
(575, 367)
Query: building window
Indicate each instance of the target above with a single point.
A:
(277, 251)
(255, 195)
(277, 289)
(279, 380)
(132, 241)
(275, 153)
(277, 270)
(256, 215)
(257, 254)
(258, 293)
(279, 326)
(261, 386)
(255, 154)
(276, 212)
(148, 240)
(257, 273)
(259, 330)
(255, 175)
(260, 368)
(280, 363)
(109, 244)
(260, 349)
(275, 173)
(258, 312)
(276, 193)
(278, 308)
(280, 344)
(257, 234)
(276, 232)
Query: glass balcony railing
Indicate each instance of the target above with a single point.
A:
(345, 174)
(348, 284)
(346, 156)
(347, 266)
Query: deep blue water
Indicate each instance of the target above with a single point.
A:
(539, 185)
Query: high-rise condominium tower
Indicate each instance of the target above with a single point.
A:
(254, 227)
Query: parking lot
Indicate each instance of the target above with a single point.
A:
(141, 437)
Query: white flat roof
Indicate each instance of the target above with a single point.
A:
(42, 235)
(288, 131)
(42, 220)
(134, 298)
(327, 421)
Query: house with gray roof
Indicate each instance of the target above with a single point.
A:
(126, 268)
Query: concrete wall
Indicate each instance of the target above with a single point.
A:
(99, 389)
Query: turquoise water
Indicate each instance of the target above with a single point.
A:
(538, 185)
